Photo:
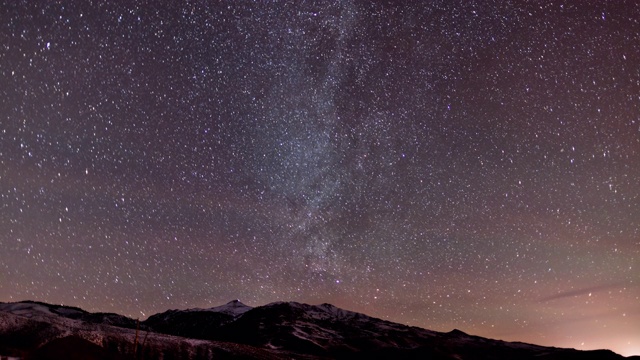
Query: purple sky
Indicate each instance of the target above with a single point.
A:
(447, 165)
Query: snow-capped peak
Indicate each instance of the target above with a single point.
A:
(233, 308)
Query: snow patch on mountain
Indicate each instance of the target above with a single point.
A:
(33, 308)
(320, 312)
(234, 308)
(26, 309)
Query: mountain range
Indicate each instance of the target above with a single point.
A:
(281, 330)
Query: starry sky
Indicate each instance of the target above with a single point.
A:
(444, 164)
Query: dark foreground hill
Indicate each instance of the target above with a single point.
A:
(32, 330)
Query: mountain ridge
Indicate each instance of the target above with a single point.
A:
(235, 330)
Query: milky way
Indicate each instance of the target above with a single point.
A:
(446, 165)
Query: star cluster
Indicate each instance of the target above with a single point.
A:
(451, 164)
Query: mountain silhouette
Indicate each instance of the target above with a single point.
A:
(36, 330)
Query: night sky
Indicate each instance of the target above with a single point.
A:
(454, 164)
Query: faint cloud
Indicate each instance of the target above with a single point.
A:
(582, 291)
